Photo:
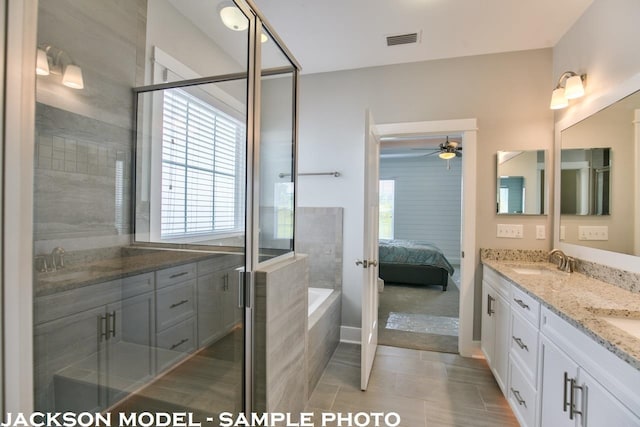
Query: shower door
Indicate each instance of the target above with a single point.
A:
(145, 205)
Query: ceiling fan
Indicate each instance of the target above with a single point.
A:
(446, 150)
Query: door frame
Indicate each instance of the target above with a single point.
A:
(468, 259)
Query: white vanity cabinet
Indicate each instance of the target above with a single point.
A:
(581, 383)
(495, 324)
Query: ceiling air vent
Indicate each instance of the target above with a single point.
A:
(402, 39)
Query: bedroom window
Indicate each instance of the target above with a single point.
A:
(200, 176)
(387, 198)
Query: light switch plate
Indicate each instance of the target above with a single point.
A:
(593, 232)
(540, 232)
(510, 231)
(563, 231)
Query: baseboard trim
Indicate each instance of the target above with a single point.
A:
(350, 335)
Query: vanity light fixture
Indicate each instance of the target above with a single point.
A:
(570, 86)
(51, 60)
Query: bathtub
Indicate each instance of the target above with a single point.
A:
(316, 297)
(323, 331)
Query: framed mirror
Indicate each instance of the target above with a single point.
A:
(521, 182)
(597, 201)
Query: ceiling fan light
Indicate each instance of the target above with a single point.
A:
(574, 88)
(233, 18)
(447, 155)
(558, 100)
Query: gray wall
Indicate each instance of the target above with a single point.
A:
(84, 136)
(319, 235)
(427, 201)
(511, 116)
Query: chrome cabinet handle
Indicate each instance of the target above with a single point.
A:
(177, 304)
(519, 398)
(107, 326)
(178, 344)
(565, 404)
(572, 405)
(173, 276)
(521, 344)
(522, 304)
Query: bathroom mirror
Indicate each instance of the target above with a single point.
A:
(599, 180)
(521, 182)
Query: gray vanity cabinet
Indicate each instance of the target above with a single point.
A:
(218, 310)
(93, 344)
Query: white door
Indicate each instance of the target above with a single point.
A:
(369, 262)
(557, 371)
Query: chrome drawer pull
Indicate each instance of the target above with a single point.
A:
(173, 276)
(521, 344)
(522, 304)
(519, 398)
(572, 404)
(176, 304)
(182, 341)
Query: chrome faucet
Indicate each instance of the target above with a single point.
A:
(564, 262)
(58, 253)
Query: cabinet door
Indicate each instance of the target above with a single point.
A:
(598, 407)
(488, 323)
(210, 302)
(130, 345)
(69, 363)
(502, 317)
(557, 371)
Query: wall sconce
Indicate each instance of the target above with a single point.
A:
(573, 88)
(51, 60)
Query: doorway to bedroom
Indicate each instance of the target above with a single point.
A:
(420, 241)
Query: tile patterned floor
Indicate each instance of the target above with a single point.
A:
(426, 388)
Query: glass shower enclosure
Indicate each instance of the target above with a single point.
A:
(162, 206)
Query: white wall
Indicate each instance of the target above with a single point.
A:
(511, 116)
(602, 43)
(427, 201)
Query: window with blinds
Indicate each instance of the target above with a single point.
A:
(202, 166)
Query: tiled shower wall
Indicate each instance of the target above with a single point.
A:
(319, 234)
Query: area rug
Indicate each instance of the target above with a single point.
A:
(419, 317)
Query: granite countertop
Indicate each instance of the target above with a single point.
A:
(103, 270)
(581, 300)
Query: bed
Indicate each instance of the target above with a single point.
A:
(412, 262)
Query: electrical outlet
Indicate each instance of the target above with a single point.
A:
(593, 232)
(563, 231)
(540, 232)
(510, 231)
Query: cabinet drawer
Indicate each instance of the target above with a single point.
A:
(173, 275)
(521, 396)
(175, 343)
(136, 285)
(526, 305)
(175, 304)
(498, 282)
(524, 346)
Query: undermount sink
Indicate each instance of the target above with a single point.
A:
(529, 270)
(61, 277)
(630, 325)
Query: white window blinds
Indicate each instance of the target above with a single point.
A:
(202, 166)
